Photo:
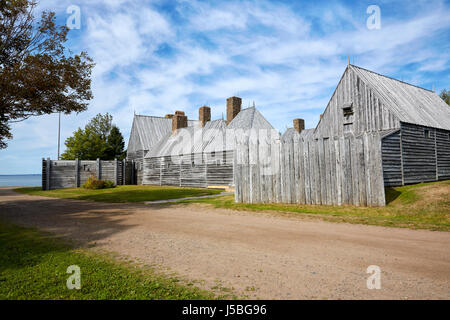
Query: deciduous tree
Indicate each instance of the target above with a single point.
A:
(38, 75)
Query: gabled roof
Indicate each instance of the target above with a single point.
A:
(149, 130)
(249, 118)
(210, 138)
(191, 140)
(407, 102)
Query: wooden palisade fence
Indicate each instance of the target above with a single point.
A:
(58, 174)
(329, 171)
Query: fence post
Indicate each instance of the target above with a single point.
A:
(99, 169)
(44, 171)
(116, 171)
(77, 173)
(47, 167)
(133, 179)
(124, 164)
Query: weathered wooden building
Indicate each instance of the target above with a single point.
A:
(146, 132)
(176, 151)
(414, 124)
(375, 132)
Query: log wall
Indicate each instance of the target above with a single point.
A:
(328, 171)
(190, 170)
(59, 174)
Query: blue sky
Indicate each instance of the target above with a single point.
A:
(155, 57)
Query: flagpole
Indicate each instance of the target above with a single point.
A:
(59, 131)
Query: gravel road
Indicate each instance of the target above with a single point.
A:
(259, 256)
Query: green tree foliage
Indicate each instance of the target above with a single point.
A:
(99, 139)
(101, 125)
(445, 95)
(116, 144)
(38, 75)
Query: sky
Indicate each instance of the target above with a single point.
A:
(155, 57)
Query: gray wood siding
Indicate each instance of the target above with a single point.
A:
(443, 154)
(191, 170)
(59, 174)
(328, 171)
(392, 162)
(138, 158)
(369, 113)
(418, 153)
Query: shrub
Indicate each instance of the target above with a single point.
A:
(94, 183)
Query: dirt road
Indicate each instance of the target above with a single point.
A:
(258, 255)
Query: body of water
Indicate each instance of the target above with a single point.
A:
(21, 180)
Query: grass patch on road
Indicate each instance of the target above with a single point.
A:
(33, 265)
(122, 194)
(420, 206)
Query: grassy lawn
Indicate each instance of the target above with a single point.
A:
(122, 194)
(421, 206)
(33, 266)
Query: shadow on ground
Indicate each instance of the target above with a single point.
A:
(87, 222)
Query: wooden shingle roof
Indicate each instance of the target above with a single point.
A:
(407, 102)
(210, 138)
(147, 131)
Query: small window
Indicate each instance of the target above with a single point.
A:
(426, 133)
(348, 111)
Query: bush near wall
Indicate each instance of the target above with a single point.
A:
(94, 183)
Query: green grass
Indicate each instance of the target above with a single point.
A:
(33, 266)
(421, 206)
(122, 194)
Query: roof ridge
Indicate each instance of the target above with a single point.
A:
(143, 115)
(382, 75)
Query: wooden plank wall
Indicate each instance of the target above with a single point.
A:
(443, 154)
(424, 158)
(392, 160)
(329, 171)
(190, 170)
(369, 112)
(418, 154)
(58, 174)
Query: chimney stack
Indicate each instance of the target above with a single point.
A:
(204, 115)
(233, 108)
(179, 120)
(299, 125)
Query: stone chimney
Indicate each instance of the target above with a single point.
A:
(179, 120)
(233, 108)
(299, 125)
(204, 115)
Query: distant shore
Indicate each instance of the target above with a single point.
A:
(20, 180)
